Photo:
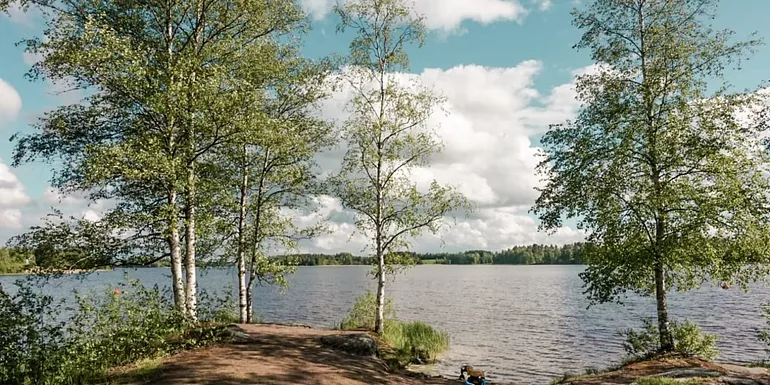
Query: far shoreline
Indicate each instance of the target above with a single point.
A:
(62, 272)
(86, 271)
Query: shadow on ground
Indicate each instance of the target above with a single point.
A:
(278, 355)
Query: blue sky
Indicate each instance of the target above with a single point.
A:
(513, 56)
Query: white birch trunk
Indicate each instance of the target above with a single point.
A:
(243, 297)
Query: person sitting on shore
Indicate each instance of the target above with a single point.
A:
(475, 377)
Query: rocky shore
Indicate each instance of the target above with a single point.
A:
(674, 370)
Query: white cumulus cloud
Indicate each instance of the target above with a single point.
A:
(56, 197)
(10, 102)
(10, 219)
(12, 193)
(443, 15)
(13, 197)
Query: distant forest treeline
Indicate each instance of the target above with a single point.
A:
(519, 255)
(17, 261)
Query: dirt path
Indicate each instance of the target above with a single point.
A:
(279, 355)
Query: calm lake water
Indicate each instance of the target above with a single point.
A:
(523, 324)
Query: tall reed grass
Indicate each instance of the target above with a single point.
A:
(412, 341)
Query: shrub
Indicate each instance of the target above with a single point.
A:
(412, 342)
(118, 329)
(32, 344)
(689, 341)
(103, 332)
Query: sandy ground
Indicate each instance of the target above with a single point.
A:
(279, 355)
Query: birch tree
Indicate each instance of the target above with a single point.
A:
(270, 166)
(659, 168)
(156, 75)
(387, 134)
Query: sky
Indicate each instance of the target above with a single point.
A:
(506, 68)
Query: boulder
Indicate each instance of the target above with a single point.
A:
(360, 344)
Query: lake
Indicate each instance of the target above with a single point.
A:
(523, 324)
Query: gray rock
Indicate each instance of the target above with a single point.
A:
(360, 344)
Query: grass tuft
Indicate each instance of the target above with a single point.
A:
(417, 340)
(407, 342)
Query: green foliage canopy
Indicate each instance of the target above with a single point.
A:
(658, 167)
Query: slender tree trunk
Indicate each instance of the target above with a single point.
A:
(253, 271)
(379, 323)
(243, 296)
(666, 339)
(176, 259)
(250, 301)
(190, 212)
(192, 287)
(177, 277)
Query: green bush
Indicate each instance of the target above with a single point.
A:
(412, 342)
(33, 345)
(104, 331)
(118, 329)
(689, 341)
(14, 261)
